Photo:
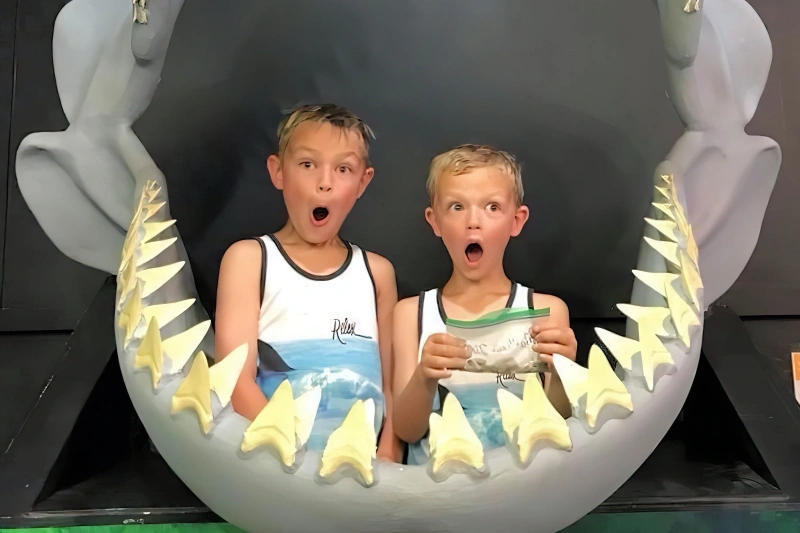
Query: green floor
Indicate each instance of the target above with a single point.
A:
(673, 522)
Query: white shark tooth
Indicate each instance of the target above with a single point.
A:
(540, 421)
(653, 351)
(667, 178)
(306, 406)
(275, 425)
(637, 313)
(194, 393)
(604, 387)
(153, 229)
(667, 228)
(165, 313)
(664, 208)
(664, 191)
(691, 246)
(455, 439)
(656, 280)
(353, 443)
(573, 377)
(623, 348)
(126, 281)
(510, 413)
(179, 348)
(683, 316)
(691, 281)
(225, 373)
(669, 250)
(131, 314)
(150, 354)
(155, 278)
(150, 250)
(149, 210)
(434, 429)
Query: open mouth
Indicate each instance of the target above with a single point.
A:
(320, 213)
(474, 252)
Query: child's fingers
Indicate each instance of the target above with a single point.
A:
(552, 335)
(442, 350)
(447, 340)
(550, 348)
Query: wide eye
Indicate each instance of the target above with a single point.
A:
(344, 169)
(456, 207)
(494, 207)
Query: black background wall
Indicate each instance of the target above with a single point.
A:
(575, 88)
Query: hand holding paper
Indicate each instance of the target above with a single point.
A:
(554, 339)
(441, 354)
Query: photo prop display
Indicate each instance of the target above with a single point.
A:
(259, 475)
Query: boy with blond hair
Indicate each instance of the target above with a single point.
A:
(313, 308)
(476, 206)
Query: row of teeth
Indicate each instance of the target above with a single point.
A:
(597, 394)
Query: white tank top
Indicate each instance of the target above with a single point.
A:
(476, 392)
(320, 331)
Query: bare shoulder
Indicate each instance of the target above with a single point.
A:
(241, 257)
(383, 273)
(406, 308)
(380, 266)
(557, 306)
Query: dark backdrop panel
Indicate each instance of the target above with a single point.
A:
(770, 285)
(7, 28)
(575, 89)
(37, 274)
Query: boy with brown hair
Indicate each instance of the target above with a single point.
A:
(476, 206)
(313, 308)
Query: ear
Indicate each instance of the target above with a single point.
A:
(430, 216)
(520, 218)
(275, 172)
(366, 178)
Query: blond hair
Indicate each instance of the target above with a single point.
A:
(468, 157)
(335, 115)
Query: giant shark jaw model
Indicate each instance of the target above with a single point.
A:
(258, 476)
(240, 469)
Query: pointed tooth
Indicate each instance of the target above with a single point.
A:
(659, 314)
(653, 353)
(353, 442)
(683, 316)
(150, 354)
(457, 440)
(151, 209)
(131, 314)
(153, 229)
(667, 228)
(306, 406)
(656, 280)
(434, 429)
(604, 387)
(667, 178)
(691, 282)
(510, 411)
(669, 250)
(126, 281)
(179, 348)
(573, 377)
(540, 421)
(195, 393)
(275, 426)
(691, 246)
(664, 191)
(166, 313)
(621, 347)
(155, 278)
(226, 372)
(149, 251)
(664, 208)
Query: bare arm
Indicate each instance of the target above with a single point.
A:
(413, 392)
(237, 314)
(557, 337)
(389, 446)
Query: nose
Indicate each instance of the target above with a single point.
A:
(474, 219)
(325, 183)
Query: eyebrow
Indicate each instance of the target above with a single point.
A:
(303, 148)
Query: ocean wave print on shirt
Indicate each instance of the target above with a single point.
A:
(344, 372)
